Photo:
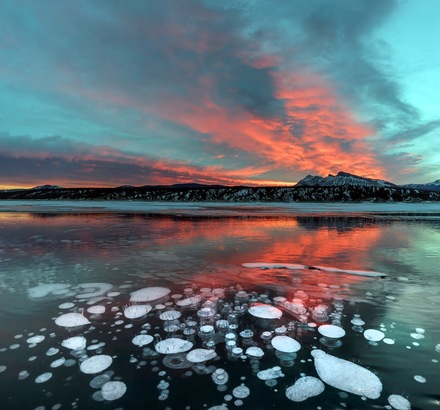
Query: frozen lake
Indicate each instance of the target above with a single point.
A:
(225, 208)
(89, 259)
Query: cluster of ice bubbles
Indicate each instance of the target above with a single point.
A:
(195, 330)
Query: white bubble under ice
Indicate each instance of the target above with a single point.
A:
(304, 388)
(42, 378)
(71, 320)
(113, 390)
(419, 378)
(373, 335)
(241, 392)
(75, 343)
(399, 402)
(346, 376)
(96, 364)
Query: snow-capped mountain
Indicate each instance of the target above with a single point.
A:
(343, 179)
(430, 186)
(343, 187)
(46, 187)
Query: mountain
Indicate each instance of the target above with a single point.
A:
(430, 186)
(341, 193)
(343, 187)
(46, 187)
(343, 179)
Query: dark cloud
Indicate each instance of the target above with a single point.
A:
(120, 62)
(27, 161)
(142, 51)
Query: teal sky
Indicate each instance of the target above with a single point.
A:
(209, 91)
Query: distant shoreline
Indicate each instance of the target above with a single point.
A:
(228, 210)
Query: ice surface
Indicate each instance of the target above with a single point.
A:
(212, 208)
(291, 266)
(304, 388)
(369, 273)
(266, 265)
(346, 376)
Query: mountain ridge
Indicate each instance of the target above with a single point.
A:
(340, 179)
(343, 187)
(343, 178)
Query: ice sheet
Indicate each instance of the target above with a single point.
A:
(401, 209)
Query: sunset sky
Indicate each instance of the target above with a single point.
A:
(257, 92)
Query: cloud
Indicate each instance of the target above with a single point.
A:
(297, 88)
(26, 162)
(415, 132)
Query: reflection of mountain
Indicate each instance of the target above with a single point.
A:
(206, 247)
(339, 223)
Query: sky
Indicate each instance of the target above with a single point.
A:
(233, 92)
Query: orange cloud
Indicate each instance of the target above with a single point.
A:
(330, 138)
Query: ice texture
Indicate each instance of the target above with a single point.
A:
(291, 266)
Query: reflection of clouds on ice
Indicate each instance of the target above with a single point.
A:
(98, 275)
